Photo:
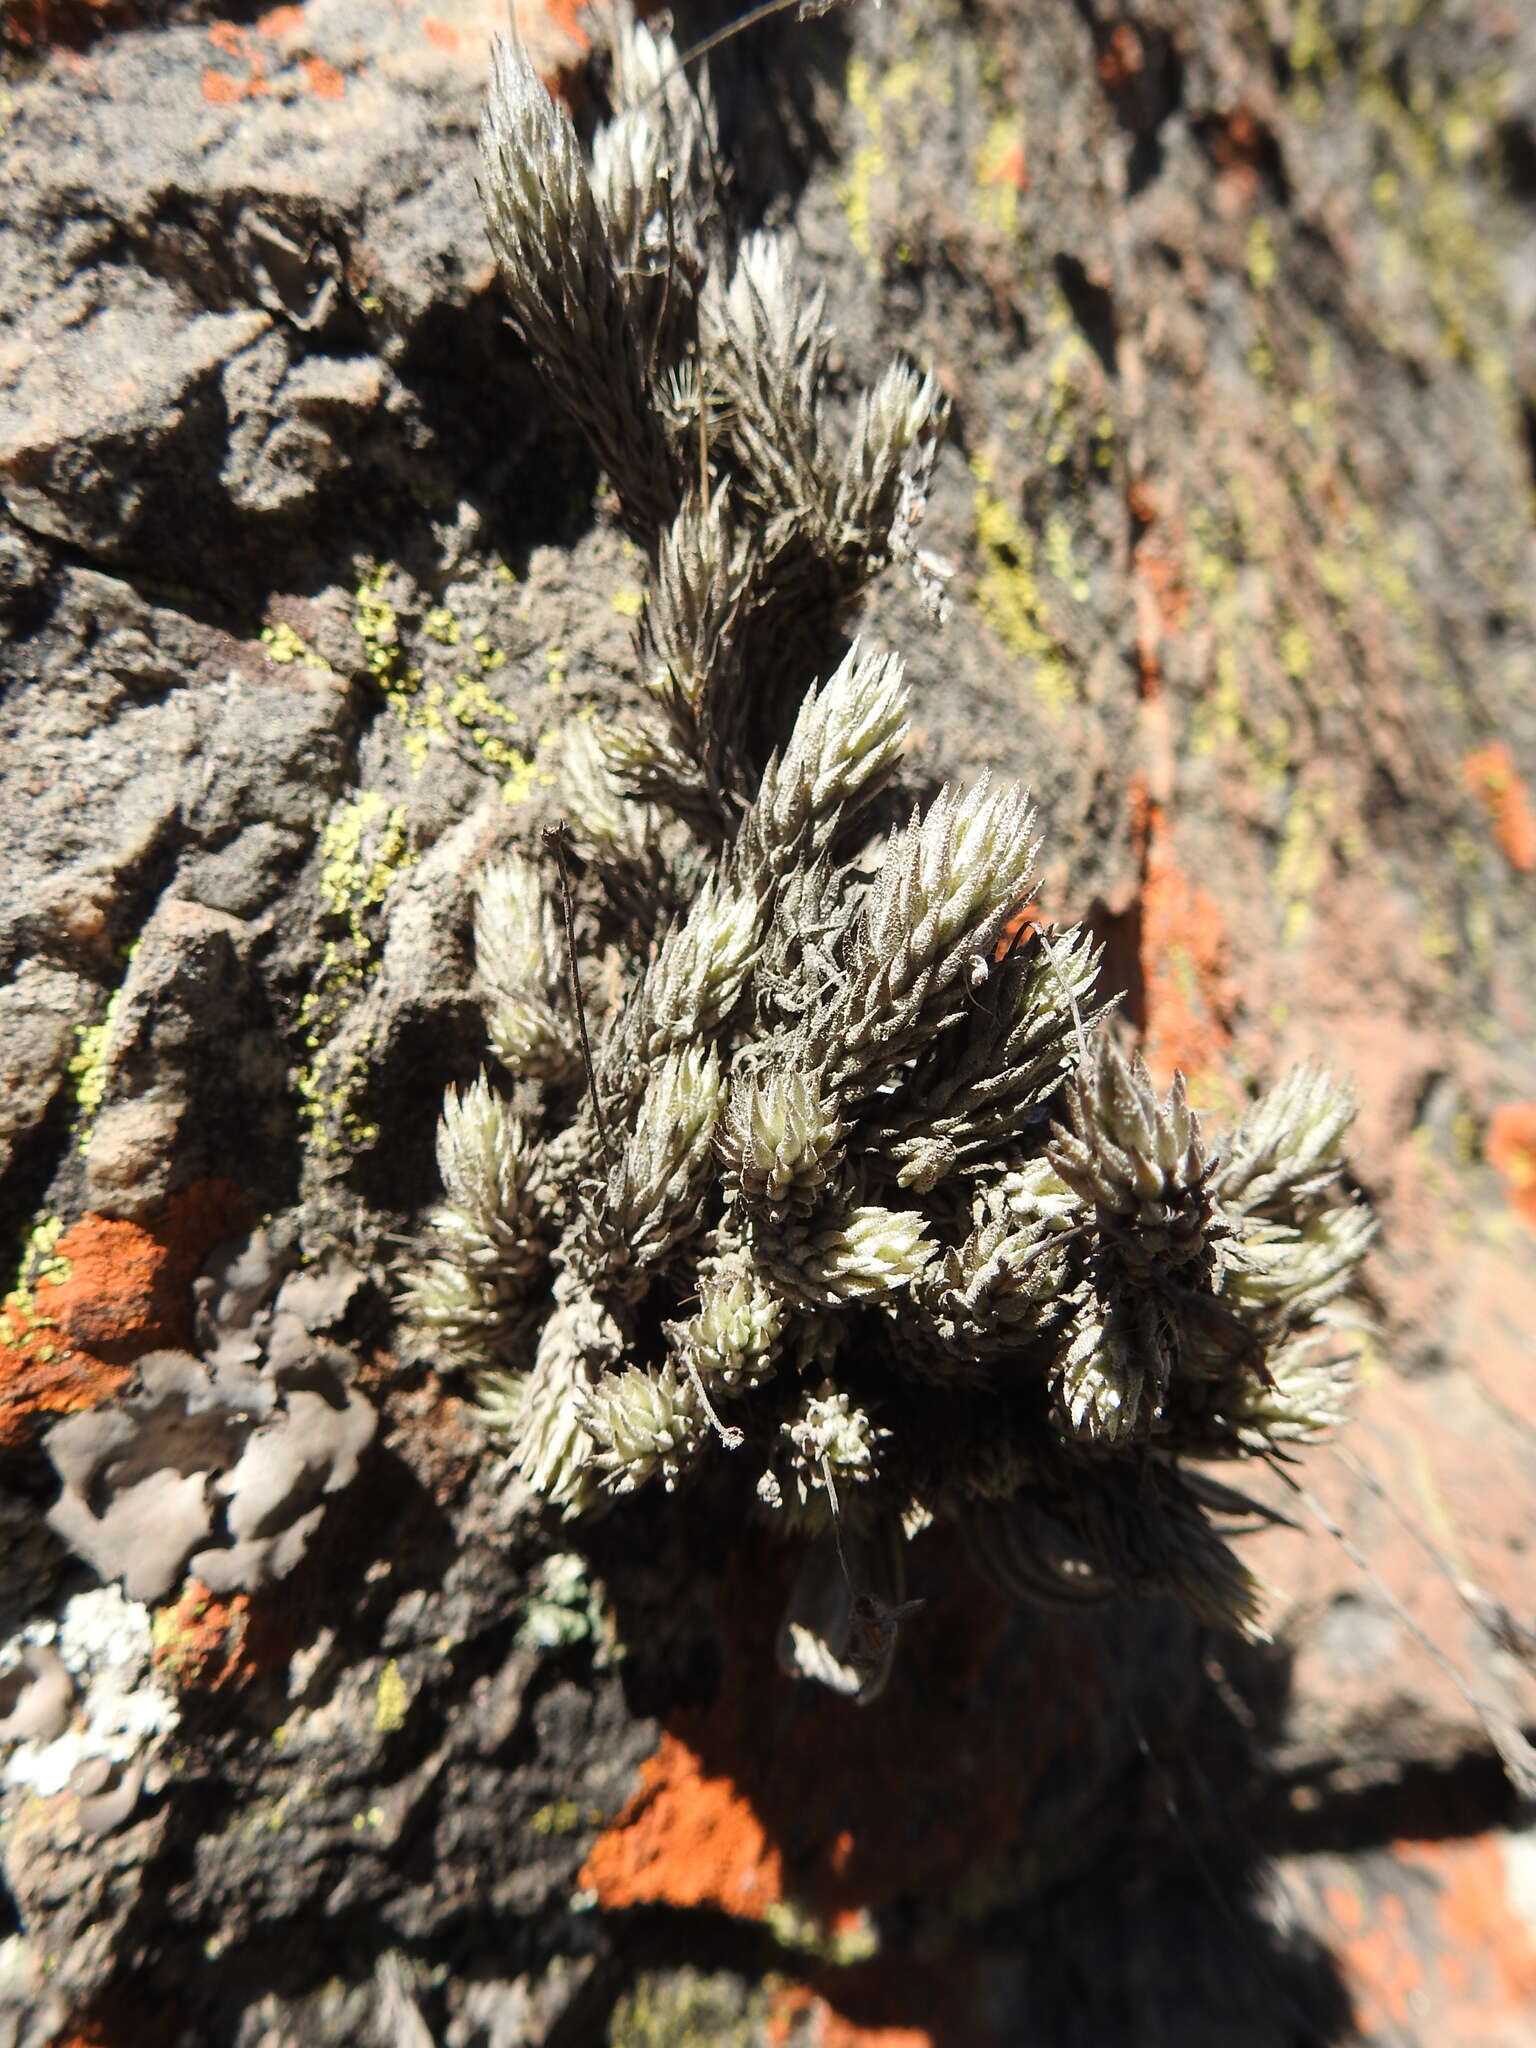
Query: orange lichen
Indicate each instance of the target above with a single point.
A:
(40, 1377)
(1011, 168)
(198, 1640)
(686, 1838)
(1141, 501)
(894, 2002)
(1385, 1973)
(280, 21)
(1475, 1912)
(203, 1644)
(231, 40)
(1187, 998)
(558, 38)
(441, 34)
(1510, 1147)
(829, 2028)
(1453, 1961)
(837, 2032)
(565, 15)
(119, 2019)
(1345, 1908)
(725, 1820)
(788, 2003)
(124, 1289)
(323, 80)
(1491, 775)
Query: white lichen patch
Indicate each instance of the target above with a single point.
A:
(103, 1640)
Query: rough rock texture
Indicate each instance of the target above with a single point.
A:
(299, 579)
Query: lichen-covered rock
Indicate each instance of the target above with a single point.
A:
(1232, 319)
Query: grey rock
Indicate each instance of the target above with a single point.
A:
(282, 416)
(41, 1011)
(23, 565)
(131, 1154)
(185, 992)
(107, 411)
(243, 878)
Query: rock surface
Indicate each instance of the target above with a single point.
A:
(299, 580)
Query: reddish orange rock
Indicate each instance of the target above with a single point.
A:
(896, 2001)
(204, 1644)
(686, 1838)
(126, 1289)
(199, 1639)
(845, 1810)
(1510, 1147)
(323, 79)
(1434, 1945)
(1188, 996)
(1491, 775)
(830, 2028)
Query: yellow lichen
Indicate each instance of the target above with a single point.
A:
(1296, 652)
(362, 849)
(1008, 596)
(377, 625)
(489, 657)
(1303, 859)
(1060, 559)
(1261, 261)
(871, 101)
(352, 881)
(87, 1066)
(525, 774)
(284, 645)
(391, 1700)
(865, 164)
(563, 1817)
(1063, 425)
(1312, 47)
(40, 1261)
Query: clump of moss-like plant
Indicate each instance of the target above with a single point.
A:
(849, 1180)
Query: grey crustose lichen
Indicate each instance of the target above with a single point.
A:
(860, 1190)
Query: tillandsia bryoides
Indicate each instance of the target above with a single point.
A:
(850, 1182)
